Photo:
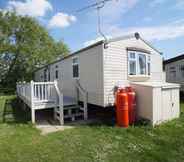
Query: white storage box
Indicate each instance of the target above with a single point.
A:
(157, 101)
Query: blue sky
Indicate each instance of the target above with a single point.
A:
(161, 22)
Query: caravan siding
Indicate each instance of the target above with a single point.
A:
(116, 66)
(38, 76)
(90, 74)
(175, 72)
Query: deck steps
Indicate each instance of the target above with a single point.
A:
(72, 112)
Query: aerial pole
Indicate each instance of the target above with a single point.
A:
(98, 6)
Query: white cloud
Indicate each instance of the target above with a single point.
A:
(163, 32)
(152, 33)
(34, 8)
(61, 20)
(179, 5)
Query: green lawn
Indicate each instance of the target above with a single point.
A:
(21, 142)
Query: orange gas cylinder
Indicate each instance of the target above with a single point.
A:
(122, 108)
(131, 104)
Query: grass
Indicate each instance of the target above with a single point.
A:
(21, 142)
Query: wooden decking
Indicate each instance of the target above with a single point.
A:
(44, 95)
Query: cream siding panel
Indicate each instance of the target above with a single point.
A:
(90, 71)
(116, 66)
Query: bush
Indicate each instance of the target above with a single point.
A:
(7, 91)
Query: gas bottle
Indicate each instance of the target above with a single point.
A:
(131, 104)
(122, 113)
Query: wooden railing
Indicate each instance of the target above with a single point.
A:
(40, 95)
(38, 91)
(84, 94)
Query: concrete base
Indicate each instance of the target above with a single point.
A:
(47, 127)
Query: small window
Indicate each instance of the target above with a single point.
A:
(56, 74)
(49, 75)
(45, 75)
(138, 63)
(149, 60)
(172, 71)
(142, 64)
(132, 66)
(75, 66)
(182, 70)
(132, 55)
(132, 63)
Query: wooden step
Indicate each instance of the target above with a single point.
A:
(72, 107)
(71, 111)
(72, 116)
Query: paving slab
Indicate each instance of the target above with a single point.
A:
(47, 127)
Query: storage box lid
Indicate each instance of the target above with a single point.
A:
(157, 84)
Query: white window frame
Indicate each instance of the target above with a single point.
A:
(136, 59)
(148, 62)
(74, 64)
(133, 60)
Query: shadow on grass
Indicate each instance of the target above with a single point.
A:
(13, 113)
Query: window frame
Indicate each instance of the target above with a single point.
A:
(132, 60)
(148, 63)
(137, 65)
(74, 64)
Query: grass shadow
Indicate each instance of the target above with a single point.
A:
(13, 113)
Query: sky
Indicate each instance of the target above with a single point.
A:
(161, 22)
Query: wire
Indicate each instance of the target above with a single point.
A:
(95, 5)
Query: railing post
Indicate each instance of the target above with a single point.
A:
(32, 102)
(61, 109)
(85, 107)
(32, 92)
(85, 98)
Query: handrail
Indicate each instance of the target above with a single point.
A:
(80, 87)
(85, 97)
(61, 106)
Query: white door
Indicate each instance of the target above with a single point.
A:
(175, 103)
(170, 104)
(166, 104)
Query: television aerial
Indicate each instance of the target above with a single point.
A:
(98, 6)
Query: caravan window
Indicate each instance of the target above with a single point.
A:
(132, 63)
(148, 63)
(75, 66)
(182, 70)
(45, 75)
(138, 63)
(172, 70)
(56, 72)
(142, 64)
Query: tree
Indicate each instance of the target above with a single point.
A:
(25, 45)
